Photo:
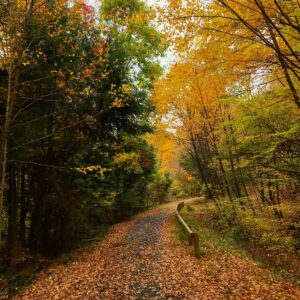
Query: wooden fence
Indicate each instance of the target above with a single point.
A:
(193, 237)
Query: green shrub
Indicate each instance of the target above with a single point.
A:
(223, 217)
(264, 232)
(237, 234)
(243, 226)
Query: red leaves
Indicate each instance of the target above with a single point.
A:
(100, 49)
(96, 50)
(86, 9)
(87, 73)
(146, 162)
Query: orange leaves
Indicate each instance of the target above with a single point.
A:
(141, 259)
(101, 49)
(87, 73)
(244, 38)
(190, 94)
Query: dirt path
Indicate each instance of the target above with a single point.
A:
(141, 260)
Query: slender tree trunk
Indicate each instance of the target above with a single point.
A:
(214, 143)
(270, 191)
(36, 222)
(12, 215)
(236, 183)
(227, 186)
(19, 28)
(23, 205)
(262, 191)
(214, 177)
(13, 79)
(210, 194)
(232, 165)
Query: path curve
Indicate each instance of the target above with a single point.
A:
(140, 259)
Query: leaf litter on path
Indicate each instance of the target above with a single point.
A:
(141, 259)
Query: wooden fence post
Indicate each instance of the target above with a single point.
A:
(196, 244)
(193, 237)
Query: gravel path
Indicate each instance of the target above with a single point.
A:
(140, 259)
(123, 266)
(143, 239)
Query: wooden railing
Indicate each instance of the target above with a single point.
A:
(193, 237)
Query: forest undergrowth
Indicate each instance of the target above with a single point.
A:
(259, 237)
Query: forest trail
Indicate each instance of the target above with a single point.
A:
(141, 259)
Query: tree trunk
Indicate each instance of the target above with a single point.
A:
(199, 165)
(36, 224)
(12, 215)
(24, 198)
(13, 80)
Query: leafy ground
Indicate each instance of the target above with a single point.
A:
(259, 237)
(141, 259)
(14, 278)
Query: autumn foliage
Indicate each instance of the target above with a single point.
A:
(231, 104)
(74, 107)
(93, 130)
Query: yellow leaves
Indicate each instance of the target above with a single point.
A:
(25, 58)
(104, 74)
(109, 199)
(87, 91)
(188, 97)
(113, 90)
(129, 162)
(126, 88)
(165, 147)
(119, 94)
(39, 53)
(120, 158)
(138, 19)
(117, 103)
(26, 63)
(99, 50)
(93, 169)
(102, 60)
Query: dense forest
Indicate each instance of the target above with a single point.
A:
(95, 130)
(233, 95)
(75, 108)
(230, 102)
